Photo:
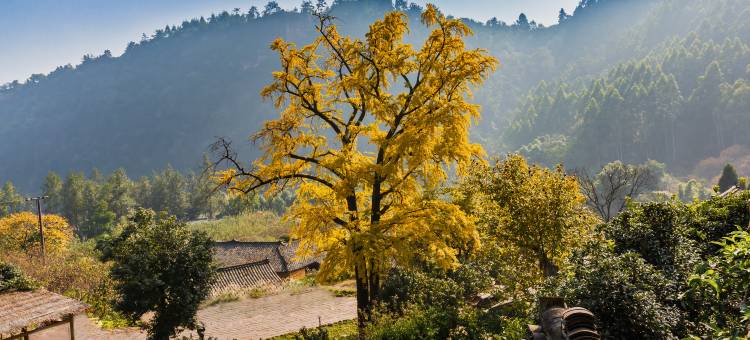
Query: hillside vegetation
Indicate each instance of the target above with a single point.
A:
(168, 97)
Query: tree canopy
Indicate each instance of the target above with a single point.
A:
(160, 266)
(20, 232)
(538, 213)
(367, 134)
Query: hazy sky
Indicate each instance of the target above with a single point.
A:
(38, 35)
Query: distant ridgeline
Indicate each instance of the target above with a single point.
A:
(170, 95)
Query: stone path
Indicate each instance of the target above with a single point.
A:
(276, 314)
(246, 319)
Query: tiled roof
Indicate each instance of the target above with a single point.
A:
(250, 275)
(234, 253)
(281, 256)
(39, 307)
(731, 191)
(289, 252)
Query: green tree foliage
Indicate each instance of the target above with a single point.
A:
(719, 216)
(95, 204)
(12, 279)
(629, 297)
(660, 234)
(168, 192)
(728, 178)
(161, 266)
(726, 277)
(10, 200)
(678, 105)
(53, 188)
(538, 213)
(175, 80)
(118, 193)
(660, 275)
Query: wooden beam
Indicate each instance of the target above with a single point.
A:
(25, 334)
(72, 320)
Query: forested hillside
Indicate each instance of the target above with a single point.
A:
(561, 94)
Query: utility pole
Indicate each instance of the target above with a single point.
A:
(39, 217)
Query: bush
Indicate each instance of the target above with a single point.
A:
(20, 232)
(404, 287)
(415, 323)
(319, 333)
(12, 279)
(630, 297)
(718, 217)
(77, 273)
(726, 279)
(160, 265)
(659, 233)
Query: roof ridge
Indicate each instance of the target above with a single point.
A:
(282, 259)
(249, 264)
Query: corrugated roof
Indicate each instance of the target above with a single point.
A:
(39, 307)
(246, 276)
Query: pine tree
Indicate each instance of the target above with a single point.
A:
(10, 200)
(52, 188)
(73, 199)
(523, 23)
(728, 178)
(118, 192)
(562, 16)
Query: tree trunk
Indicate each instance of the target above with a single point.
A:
(374, 281)
(363, 297)
(548, 268)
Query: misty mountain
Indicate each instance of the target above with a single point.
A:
(169, 96)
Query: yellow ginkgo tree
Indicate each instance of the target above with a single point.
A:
(368, 132)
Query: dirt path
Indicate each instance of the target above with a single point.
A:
(86, 329)
(246, 319)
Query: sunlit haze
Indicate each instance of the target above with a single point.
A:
(39, 35)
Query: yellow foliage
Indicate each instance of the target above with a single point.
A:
(537, 216)
(367, 134)
(20, 232)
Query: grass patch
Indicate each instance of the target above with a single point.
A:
(254, 226)
(256, 293)
(342, 292)
(300, 286)
(339, 330)
(222, 298)
(231, 296)
(344, 288)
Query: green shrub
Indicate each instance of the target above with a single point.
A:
(160, 266)
(12, 279)
(718, 217)
(319, 333)
(404, 287)
(660, 234)
(631, 298)
(726, 279)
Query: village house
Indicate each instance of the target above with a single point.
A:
(281, 256)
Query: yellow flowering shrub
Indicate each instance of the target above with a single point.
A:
(20, 232)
